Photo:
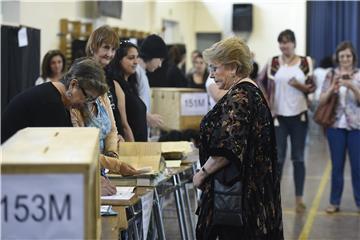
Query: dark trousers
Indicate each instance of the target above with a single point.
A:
(296, 128)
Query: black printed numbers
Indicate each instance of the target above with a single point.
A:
(36, 208)
(194, 103)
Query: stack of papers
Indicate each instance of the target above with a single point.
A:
(122, 193)
(173, 163)
(181, 146)
(175, 152)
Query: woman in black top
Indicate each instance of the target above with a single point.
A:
(122, 69)
(47, 105)
(198, 77)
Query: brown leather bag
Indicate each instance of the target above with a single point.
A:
(325, 114)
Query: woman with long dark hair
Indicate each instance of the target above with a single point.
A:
(122, 69)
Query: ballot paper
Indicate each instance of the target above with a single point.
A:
(122, 193)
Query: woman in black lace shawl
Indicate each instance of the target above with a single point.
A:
(237, 139)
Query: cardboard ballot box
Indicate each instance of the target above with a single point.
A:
(181, 108)
(50, 184)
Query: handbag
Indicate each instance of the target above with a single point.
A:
(325, 114)
(227, 202)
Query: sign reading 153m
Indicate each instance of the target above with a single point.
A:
(42, 206)
(194, 104)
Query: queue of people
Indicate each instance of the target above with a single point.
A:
(243, 138)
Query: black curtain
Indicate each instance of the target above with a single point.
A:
(329, 23)
(20, 66)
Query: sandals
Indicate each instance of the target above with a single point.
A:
(300, 207)
(332, 209)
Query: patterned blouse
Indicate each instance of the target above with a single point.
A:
(351, 108)
(110, 143)
(240, 128)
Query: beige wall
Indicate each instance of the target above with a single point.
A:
(46, 17)
(268, 21)
(192, 16)
(135, 16)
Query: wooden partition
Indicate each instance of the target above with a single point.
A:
(181, 108)
(71, 30)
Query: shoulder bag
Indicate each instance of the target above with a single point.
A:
(325, 114)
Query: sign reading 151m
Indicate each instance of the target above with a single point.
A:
(194, 104)
(48, 206)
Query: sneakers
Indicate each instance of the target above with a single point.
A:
(332, 209)
(300, 207)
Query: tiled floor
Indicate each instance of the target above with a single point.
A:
(314, 224)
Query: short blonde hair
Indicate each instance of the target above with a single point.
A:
(232, 50)
(104, 34)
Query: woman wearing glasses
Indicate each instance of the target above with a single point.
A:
(344, 135)
(237, 147)
(48, 104)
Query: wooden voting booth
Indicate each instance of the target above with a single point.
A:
(50, 184)
(181, 108)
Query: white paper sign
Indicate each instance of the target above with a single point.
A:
(147, 206)
(194, 104)
(42, 206)
(22, 37)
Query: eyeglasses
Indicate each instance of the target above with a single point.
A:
(213, 68)
(87, 97)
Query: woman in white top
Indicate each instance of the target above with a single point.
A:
(290, 74)
(52, 68)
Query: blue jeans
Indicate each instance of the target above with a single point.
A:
(296, 128)
(340, 142)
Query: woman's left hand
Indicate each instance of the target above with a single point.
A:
(199, 179)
